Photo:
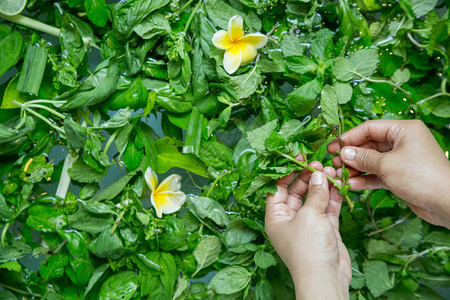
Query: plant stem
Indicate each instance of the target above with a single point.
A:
(414, 257)
(24, 107)
(4, 231)
(19, 291)
(383, 81)
(64, 181)
(410, 37)
(184, 7)
(60, 246)
(53, 102)
(188, 23)
(111, 140)
(304, 165)
(59, 115)
(117, 222)
(433, 96)
(215, 183)
(37, 25)
(390, 226)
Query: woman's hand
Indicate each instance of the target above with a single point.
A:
(401, 156)
(306, 235)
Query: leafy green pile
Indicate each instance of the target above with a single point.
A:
(326, 68)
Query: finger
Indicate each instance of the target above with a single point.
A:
(364, 160)
(337, 162)
(366, 182)
(334, 206)
(276, 204)
(318, 193)
(373, 130)
(379, 146)
(330, 171)
(299, 187)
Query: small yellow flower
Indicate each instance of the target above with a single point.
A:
(239, 49)
(166, 197)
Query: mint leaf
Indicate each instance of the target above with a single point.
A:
(343, 91)
(329, 105)
(377, 277)
(258, 136)
(406, 235)
(304, 98)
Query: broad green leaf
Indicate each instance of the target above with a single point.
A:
(257, 137)
(329, 105)
(422, 7)
(97, 12)
(322, 44)
(76, 135)
(300, 64)
(264, 290)
(91, 223)
(14, 251)
(83, 173)
(154, 24)
(204, 207)
(207, 252)
(10, 48)
(238, 233)
(230, 280)
(220, 12)
(45, 218)
(291, 46)
(107, 245)
(401, 76)
(5, 211)
(406, 235)
(304, 98)
(123, 285)
(364, 61)
(343, 91)
(54, 266)
(377, 277)
(98, 273)
(264, 259)
(169, 156)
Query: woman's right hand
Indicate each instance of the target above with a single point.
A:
(401, 156)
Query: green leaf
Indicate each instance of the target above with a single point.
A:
(154, 24)
(230, 280)
(304, 98)
(422, 7)
(169, 156)
(76, 135)
(406, 235)
(322, 45)
(85, 221)
(207, 252)
(343, 91)
(375, 247)
(126, 15)
(97, 12)
(123, 285)
(107, 245)
(83, 173)
(220, 12)
(98, 273)
(204, 207)
(401, 76)
(300, 64)
(264, 290)
(364, 61)
(238, 233)
(134, 97)
(54, 266)
(5, 211)
(246, 84)
(329, 105)
(264, 259)
(377, 277)
(36, 169)
(275, 142)
(10, 48)
(46, 219)
(14, 251)
(257, 137)
(216, 155)
(291, 46)
(174, 235)
(132, 156)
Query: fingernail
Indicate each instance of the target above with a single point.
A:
(349, 153)
(316, 178)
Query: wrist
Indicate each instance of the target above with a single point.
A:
(320, 285)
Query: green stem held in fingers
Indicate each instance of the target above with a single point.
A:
(304, 165)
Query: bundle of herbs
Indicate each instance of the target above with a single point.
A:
(230, 125)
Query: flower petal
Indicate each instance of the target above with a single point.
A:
(235, 27)
(171, 183)
(257, 40)
(248, 53)
(232, 59)
(167, 202)
(222, 40)
(151, 179)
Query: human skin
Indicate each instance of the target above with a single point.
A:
(403, 157)
(306, 234)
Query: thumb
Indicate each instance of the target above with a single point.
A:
(318, 193)
(364, 160)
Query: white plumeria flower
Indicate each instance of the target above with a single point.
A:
(166, 197)
(239, 49)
